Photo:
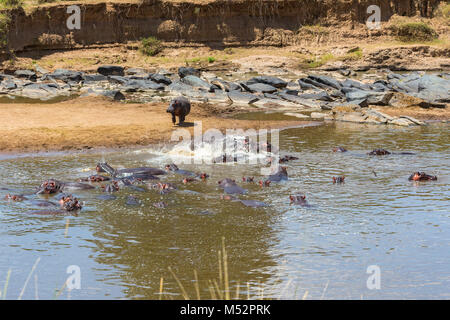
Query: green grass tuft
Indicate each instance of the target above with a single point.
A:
(151, 46)
(11, 4)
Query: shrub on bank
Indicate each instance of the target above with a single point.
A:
(11, 3)
(415, 31)
(151, 46)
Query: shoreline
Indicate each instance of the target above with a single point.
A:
(75, 126)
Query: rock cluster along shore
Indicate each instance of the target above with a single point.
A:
(334, 96)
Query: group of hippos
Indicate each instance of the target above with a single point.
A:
(137, 178)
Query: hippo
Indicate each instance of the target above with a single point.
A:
(106, 197)
(421, 176)
(94, 178)
(287, 159)
(132, 201)
(180, 107)
(299, 200)
(203, 176)
(112, 187)
(265, 183)
(228, 197)
(379, 152)
(69, 203)
(105, 167)
(43, 203)
(174, 168)
(253, 203)
(230, 187)
(338, 179)
(163, 187)
(53, 212)
(339, 149)
(278, 176)
(51, 186)
(15, 197)
(188, 180)
(160, 205)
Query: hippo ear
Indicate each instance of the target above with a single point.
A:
(303, 197)
(291, 197)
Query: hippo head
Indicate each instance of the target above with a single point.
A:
(14, 197)
(70, 203)
(50, 186)
(299, 199)
(204, 176)
(175, 104)
(171, 167)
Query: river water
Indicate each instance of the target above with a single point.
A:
(280, 251)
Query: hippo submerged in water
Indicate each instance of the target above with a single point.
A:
(421, 176)
(52, 186)
(230, 186)
(180, 107)
(143, 173)
(299, 200)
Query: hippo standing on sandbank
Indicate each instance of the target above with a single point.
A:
(180, 107)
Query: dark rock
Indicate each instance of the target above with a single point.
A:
(65, 75)
(140, 85)
(93, 77)
(188, 71)
(26, 74)
(159, 78)
(195, 81)
(323, 96)
(298, 100)
(118, 79)
(328, 81)
(306, 86)
(261, 88)
(314, 83)
(272, 81)
(110, 70)
(240, 97)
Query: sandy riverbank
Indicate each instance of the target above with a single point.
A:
(87, 123)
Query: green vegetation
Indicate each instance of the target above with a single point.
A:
(315, 30)
(151, 46)
(10, 4)
(353, 54)
(211, 59)
(415, 32)
(4, 26)
(319, 61)
(444, 11)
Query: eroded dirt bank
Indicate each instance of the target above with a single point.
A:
(216, 22)
(90, 122)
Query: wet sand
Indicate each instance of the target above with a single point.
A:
(93, 122)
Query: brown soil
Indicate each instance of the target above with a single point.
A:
(418, 113)
(90, 122)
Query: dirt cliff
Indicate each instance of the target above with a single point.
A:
(214, 22)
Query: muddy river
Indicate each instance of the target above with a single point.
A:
(377, 219)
